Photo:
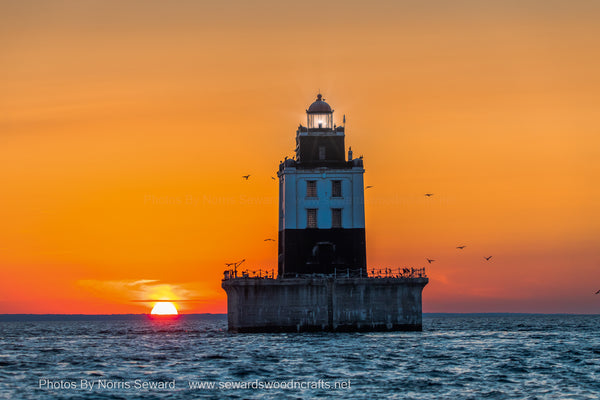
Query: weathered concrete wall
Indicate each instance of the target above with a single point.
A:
(324, 304)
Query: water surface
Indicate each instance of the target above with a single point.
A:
(456, 356)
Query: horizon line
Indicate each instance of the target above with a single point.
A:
(424, 313)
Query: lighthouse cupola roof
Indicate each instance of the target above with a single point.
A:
(319, 106)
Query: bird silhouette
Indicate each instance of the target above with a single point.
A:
(487, 258)
(273, 178)
(269, 240)
(461, 247)
(369, 187)
(246, 176)
(428, 194)
(429, 260)
(598, 292)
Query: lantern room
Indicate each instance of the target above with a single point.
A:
(319, 115)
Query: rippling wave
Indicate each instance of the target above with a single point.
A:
(462, 357)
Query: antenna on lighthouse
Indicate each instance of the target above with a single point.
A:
(344, 121)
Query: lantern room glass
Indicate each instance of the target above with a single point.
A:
(320, 120)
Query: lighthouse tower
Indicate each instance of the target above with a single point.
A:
(321, 202)
(323, 283)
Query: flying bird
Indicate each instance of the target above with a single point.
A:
(369, 187)
(598, 292)
(460, 247)
(429, 260)
(428, 194)
(487, 258)
(246, 176)
(273, 178)
(269, 240)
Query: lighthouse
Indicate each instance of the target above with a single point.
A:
(323, 283)
(321, 201)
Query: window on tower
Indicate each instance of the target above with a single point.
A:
(311, 188)
(311, 218)
(336, 217)
(336, 188)
(321, 152)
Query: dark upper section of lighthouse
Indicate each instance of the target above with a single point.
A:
(321, 143)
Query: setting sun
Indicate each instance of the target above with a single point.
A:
(164, 308)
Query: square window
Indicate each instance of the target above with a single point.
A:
(336, 188)
(311, 218)
(311, 188)
(336, 217)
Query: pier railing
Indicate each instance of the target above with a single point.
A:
(397, 273)
(246, 273)
(404, 272)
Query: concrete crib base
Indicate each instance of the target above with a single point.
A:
(324, 304)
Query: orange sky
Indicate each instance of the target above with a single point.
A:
(125, 128)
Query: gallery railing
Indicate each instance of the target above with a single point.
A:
(338, 273)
